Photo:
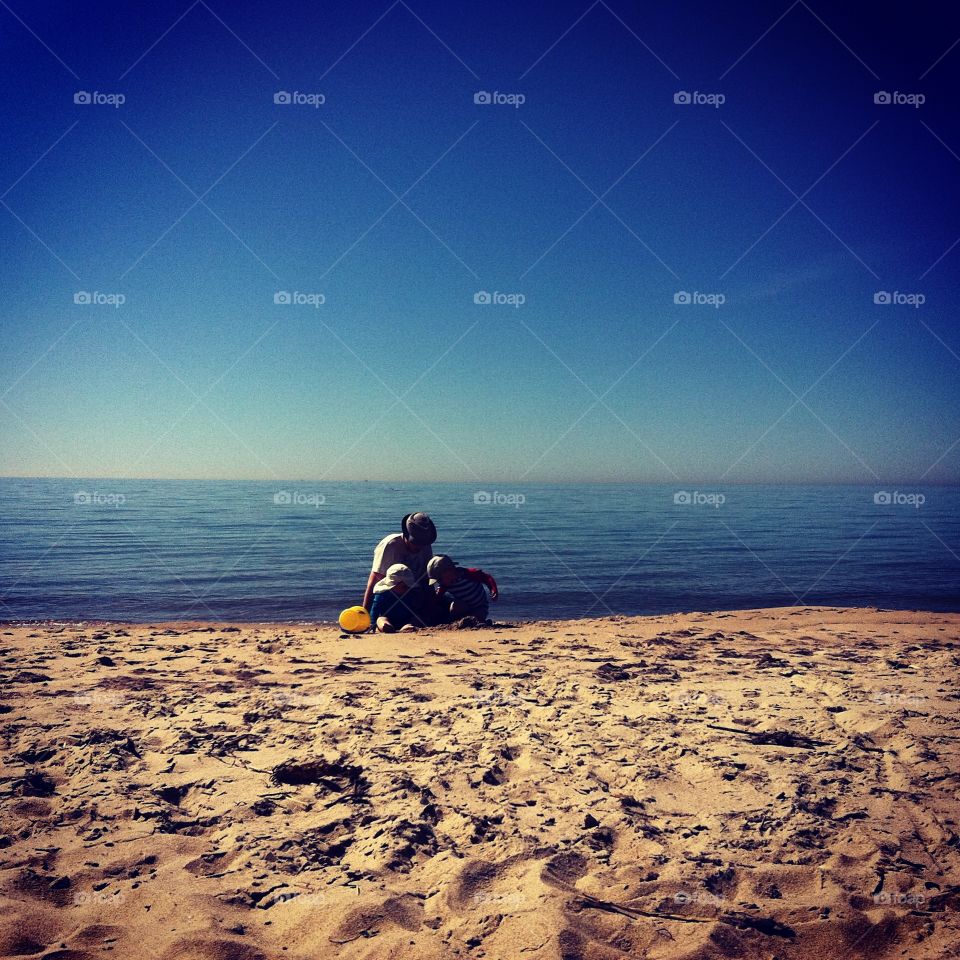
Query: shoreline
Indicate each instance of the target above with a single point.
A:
(505, 624)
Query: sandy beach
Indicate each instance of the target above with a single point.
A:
(767, 784)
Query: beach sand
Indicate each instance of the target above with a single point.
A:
(544, 790)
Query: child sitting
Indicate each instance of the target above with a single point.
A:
(388, 612)
(463, 587)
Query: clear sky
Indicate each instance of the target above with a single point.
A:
(590, 205)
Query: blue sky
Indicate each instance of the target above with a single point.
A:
(597, 200)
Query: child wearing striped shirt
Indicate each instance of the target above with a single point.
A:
(461, 589)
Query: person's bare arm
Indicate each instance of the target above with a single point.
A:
(368, 593)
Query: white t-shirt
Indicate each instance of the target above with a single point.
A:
(391, 549)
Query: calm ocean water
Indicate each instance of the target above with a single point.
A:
(148, 550)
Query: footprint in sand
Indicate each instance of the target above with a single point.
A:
(404, 911)
(28, 935)
(196, 948)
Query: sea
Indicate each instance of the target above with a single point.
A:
(153, 550)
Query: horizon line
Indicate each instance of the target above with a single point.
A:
(503, 481)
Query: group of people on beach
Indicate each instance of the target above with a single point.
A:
(411, 587)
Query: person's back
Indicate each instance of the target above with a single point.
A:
(466, 586)
(411, 547)
(394, 549)
(468, 595)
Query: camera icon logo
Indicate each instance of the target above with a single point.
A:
(282, 96)
(481, 496)
(81, 96)
(282, 296)
(82, 297)
(681, 297)
(882, 297)
(882, 498)
(81, 498)
(482, 297)
(681, 96)
(482, 96)
(682, 497)
(282, 497)
(881, 96)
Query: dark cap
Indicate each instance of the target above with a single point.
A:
(419, 528)
(439, 566)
